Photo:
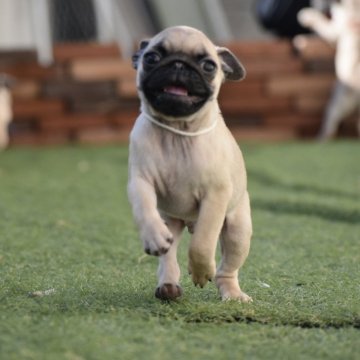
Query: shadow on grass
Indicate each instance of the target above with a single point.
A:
(262, 178)
(309, 209)
(204, 309)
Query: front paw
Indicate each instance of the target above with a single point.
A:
(201, 272)
(156, 238)
(168, 292)
(309, 17)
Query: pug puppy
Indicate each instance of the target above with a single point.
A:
(185, 167)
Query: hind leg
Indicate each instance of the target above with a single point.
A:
(169, 271)
(4, 134)
(358, 121)
(342, 103)
(235, 245)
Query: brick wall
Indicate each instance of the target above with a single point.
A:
(89, 95)
(285, 92)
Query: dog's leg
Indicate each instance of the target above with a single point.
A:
(358, 121)
(154, 233)
(169, 271)
(235, 245)
(208, 226)
(342, 104)
(4, 136)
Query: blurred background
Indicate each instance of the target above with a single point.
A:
(67, 64)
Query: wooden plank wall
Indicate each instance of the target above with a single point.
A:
(89, 94)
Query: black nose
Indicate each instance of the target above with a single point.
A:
(179, 65)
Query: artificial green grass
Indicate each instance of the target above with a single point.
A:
(65, 224)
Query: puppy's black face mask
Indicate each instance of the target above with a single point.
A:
(177, 84)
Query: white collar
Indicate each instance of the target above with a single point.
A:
(181, 132)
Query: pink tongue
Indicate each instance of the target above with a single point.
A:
(175, 90)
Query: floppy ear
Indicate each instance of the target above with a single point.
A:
(136, 56)
(231, 66)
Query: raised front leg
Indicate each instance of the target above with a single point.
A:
(169, 270)
(154, 233)
(202, 249)
(235, 245)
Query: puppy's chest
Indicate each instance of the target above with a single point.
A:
(175, 174)
(179, 198)
(180, 176)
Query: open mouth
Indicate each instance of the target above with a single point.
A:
(176, 99)
(176, 90)
(176, 94)
(181, 93)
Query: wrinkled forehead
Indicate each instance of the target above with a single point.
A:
(184, 39)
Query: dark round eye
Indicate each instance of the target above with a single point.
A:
(152, 58)
(208, 66)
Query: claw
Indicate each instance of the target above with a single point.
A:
(163, 251)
